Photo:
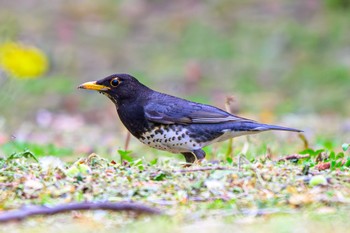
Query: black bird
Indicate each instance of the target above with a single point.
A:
(170, 123)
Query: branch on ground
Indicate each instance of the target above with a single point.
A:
(294, 157)
(45, 210)
(201, 169)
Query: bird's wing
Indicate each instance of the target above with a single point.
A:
(179, 111)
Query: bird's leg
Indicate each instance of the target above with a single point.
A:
(191, 157)
(200, 154)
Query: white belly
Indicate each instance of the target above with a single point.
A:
(175, 141)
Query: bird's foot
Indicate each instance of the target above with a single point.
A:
(194, 157)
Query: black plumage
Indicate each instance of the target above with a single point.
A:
(170, 123)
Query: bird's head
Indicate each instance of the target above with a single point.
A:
(117, 87)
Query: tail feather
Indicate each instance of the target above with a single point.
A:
(265, 127)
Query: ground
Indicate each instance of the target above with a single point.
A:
(237, 192)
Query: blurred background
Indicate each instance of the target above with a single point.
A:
(283, 62)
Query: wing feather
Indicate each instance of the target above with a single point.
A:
(180, 111)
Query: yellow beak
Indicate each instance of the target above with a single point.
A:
(93, 86)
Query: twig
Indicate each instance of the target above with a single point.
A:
(294, 157)
(239, 164)
(243, 152)
(201, 169)
(45, 210)
(305, 141)
(228, 106)
(127, 141)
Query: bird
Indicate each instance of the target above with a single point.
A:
(170, 123)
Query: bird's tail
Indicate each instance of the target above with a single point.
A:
(265, 127)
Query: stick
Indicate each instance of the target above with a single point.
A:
(242, 153)
(305, 141)
(293, 157)
(228, 104)
(45, 210)
(205, 169)
(127, 141)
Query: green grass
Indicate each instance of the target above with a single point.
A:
(39, 150)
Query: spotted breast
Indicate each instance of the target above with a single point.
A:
(172, 138)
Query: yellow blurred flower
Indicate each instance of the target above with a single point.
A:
(22, 61)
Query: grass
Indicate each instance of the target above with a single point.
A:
(263, 192)
(14, 147)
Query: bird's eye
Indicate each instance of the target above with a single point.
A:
(115, 82)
